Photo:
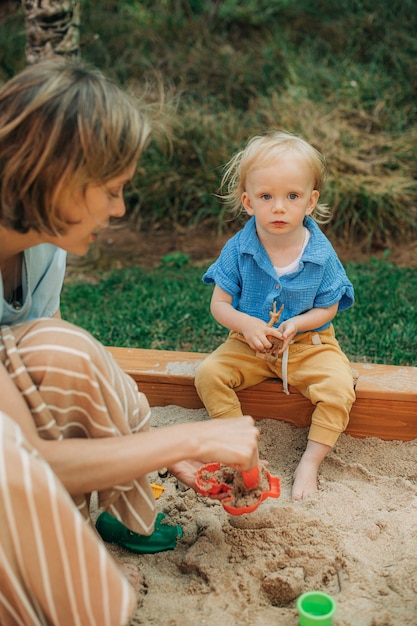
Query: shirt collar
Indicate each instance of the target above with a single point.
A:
(313, 253)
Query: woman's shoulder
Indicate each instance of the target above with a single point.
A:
(45, 251)
(44, 256)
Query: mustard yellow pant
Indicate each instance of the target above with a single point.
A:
(316, 367)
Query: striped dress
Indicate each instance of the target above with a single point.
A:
(53, 568)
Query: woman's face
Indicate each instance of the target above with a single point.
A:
(87, 212)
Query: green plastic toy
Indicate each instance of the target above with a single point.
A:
(164, 537)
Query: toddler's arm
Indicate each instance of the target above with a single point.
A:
(314, 318)
(254, 330)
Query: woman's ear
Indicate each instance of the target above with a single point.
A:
(247, 203)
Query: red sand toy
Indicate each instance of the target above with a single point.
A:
(245, 490)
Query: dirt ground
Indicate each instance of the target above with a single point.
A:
(122, 246)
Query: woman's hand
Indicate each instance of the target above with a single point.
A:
(231, 441)
(186, 471)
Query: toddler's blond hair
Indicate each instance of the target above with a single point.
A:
(261, 150)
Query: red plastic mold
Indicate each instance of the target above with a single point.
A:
(212, 486)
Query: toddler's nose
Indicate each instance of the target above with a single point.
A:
(279, 207)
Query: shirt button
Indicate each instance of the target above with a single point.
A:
(278, 287)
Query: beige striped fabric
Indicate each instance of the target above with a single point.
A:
(73, 388)
(53, 569)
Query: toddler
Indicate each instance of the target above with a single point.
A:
(280, 261)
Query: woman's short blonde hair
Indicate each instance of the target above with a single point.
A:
(62, 125)
(264, 149)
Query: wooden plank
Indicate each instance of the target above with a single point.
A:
(384, 419)
(167, 393)
(385, 406)
(385, 381)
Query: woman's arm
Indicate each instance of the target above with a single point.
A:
(85, 465)
(94, 464)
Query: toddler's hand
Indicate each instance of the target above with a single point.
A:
(258, 334)
(288, 330)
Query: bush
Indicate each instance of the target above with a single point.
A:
(342, 74)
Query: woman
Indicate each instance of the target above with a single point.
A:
(72, 422)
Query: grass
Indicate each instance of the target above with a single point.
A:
(382, 325)
(164, 308)
(168, 308)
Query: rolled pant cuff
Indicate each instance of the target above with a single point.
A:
(234, 412)
(323, 435)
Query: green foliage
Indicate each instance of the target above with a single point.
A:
(381, 326)
(165, 308)
(342, 74)
(168, 308)
(12, 42)
(175, 259)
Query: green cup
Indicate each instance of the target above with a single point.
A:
(315, 608)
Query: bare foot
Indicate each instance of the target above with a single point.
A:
(305, 476)
(305, 481)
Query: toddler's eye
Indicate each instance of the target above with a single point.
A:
(293, 196)
(266, 196)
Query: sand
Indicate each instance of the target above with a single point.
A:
(356, 539)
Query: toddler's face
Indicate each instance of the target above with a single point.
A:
(280, 194)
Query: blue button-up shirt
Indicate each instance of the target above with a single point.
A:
(244, 271)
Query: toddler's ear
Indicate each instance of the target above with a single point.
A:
(314, 198)
(247, 203)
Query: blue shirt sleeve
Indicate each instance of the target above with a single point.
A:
(335, 286)
(224, 272)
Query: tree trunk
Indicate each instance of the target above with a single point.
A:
(52, 28)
